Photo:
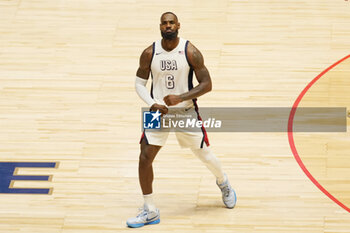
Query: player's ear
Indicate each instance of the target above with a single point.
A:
(178, 25)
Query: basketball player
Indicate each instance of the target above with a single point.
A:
(171, 62)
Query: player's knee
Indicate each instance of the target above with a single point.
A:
(204, 154)
(145, 160)
(205, 158)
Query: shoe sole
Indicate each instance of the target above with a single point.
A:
(143, 224)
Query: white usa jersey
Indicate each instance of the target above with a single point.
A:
(171, 72)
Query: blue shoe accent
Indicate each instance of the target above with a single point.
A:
(137, 225)
(234, 193)
(153, 222)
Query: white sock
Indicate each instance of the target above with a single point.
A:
(148, 199)
(210, 161)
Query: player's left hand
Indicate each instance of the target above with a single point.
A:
(171, 100)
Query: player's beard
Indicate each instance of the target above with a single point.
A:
(169, 35)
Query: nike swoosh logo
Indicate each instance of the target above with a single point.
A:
(158, 53)
(150, 219)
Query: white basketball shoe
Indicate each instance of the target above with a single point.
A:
(228, 194)
(145, 217)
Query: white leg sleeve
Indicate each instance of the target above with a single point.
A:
(210, 161)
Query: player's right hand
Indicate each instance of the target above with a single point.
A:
(162, 108)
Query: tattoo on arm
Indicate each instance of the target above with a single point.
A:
(196, 60)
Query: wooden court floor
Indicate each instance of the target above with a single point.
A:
(67, 98)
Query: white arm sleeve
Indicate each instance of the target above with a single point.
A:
(141, 90)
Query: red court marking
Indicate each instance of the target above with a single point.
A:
(291, 138)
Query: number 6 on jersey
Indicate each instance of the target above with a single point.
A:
(169, 81)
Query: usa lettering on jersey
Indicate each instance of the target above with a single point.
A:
(168, 65)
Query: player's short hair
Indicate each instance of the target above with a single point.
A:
(168, 12)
